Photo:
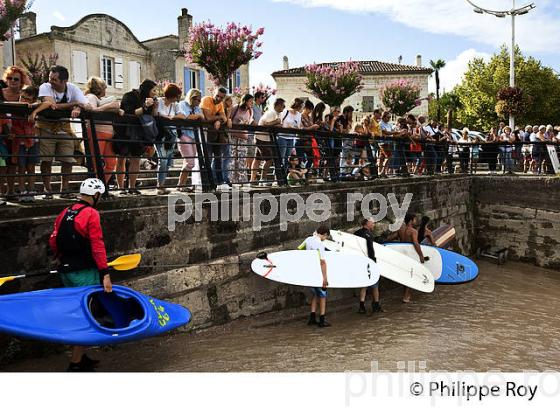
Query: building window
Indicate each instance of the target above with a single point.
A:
(194, 78)
(107, 71)
(368, 103)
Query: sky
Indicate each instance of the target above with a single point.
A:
(308, 31)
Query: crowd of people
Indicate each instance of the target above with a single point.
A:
(330, 144)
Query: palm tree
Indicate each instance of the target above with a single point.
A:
(437, 65)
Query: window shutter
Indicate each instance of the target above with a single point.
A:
(79, 67)
(119, 73)
(238, 78)
(187, 79)
(134, 74)
(201, 81)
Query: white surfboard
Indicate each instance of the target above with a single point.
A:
(303, 268)
(553, 154)
(432, 256)
(392, 264)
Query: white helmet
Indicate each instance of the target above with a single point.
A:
(91, 186)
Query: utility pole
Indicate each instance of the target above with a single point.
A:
(502, 14)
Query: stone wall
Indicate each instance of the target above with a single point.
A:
(521, 214)
(217, 293)
(206, 265)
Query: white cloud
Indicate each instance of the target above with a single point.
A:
(456, 17)
(452, 73)
(58, 15)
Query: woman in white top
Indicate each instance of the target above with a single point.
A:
(464, 150)
(241, 114)
(96, 90)
(167, 107)
(290, 118)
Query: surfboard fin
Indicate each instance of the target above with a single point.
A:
(262, 255)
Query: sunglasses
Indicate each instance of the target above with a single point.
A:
(16, 79)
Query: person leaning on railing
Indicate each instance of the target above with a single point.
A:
(304, 145)
(57, 138)
(167, 108)
(190, 108)
(14, 79)
(213, 109)
(265, 150)
(128, 146)
(96, 92)
(241, 114)
(506, 149)
(464, 150)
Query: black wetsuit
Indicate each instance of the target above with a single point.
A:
(368, 236)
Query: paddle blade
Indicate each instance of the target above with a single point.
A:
(8, 279)
(126, 262)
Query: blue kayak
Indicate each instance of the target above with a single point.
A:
(88, 316)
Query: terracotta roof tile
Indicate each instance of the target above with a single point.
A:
(366, 67)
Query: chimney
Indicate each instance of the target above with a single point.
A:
(185, 23)
(27, 25)
(418, 60)
(286, 63)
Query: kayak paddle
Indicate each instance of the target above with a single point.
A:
(126, 262)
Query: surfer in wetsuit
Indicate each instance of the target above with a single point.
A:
(315, 243)
(424, 232)
(366, 232)
(408, 234)
(77, 242)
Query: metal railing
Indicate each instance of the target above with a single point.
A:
(117, 150)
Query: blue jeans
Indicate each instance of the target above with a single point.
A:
(507, 159)
(285, 146)
(226, 163)
(165, 158)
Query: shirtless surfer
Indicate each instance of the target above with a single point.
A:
(408, 234)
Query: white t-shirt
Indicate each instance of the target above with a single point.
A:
(430, 130)
(313, 243)
(290, 120)
(268, 117)
(96, 102)
(73, 93)
(169, 111)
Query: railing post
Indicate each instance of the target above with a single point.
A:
(93, 159)
(279, 170)
(205, 161)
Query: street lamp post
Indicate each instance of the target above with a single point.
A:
(502, 14)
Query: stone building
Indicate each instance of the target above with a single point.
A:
(100, 45)
(290, 83)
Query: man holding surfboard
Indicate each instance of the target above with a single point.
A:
(366, 232)
(315, 243)
(77, 242)
(408, 234)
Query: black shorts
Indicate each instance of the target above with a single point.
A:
(265, 150)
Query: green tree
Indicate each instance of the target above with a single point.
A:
(437, 66)
(449, 103)
(483, 80)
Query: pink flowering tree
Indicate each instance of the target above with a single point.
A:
(221, 51)
(10, 11)
(265, 89)
(401, 97)
(333, 83)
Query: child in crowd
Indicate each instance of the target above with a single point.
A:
(26, 146)
(348, 167)
(362, 171)
(296, 175)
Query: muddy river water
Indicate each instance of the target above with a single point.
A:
(507, 320)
